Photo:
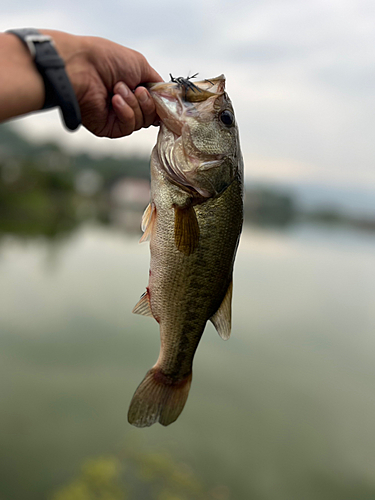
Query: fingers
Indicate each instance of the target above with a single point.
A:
(123, 90)
(133, 110)
(124, 115)
(147, 105)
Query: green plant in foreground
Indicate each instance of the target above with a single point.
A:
(137, 476)
(99, 480)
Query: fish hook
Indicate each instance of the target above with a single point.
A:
(185, 83)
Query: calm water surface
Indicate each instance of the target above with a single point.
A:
(284, 410)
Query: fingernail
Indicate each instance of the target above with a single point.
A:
(123, 90)
(143, 97)
(120, 100)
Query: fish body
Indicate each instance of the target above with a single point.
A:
(194, 222)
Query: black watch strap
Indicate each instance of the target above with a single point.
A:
(58, 89)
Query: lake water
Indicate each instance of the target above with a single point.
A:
(284, 410)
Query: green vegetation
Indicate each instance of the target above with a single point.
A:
(99, 479)
(37, 202)
(136, 475)
(44, 190)
(48, 156)
(266, 207)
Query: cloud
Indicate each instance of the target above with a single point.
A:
(300, 74)
(39, 16)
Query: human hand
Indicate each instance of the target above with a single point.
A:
(106, 78)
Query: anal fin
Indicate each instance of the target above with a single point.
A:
(223, 317)
(143, 306)
(186, 229)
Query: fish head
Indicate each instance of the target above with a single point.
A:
(198, 142)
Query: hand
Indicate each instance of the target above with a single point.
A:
(106, 78)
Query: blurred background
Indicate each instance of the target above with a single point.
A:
(286, 408)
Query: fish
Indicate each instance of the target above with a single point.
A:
(194, 221)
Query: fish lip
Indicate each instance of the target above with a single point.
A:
(151, 85)
(170, 111)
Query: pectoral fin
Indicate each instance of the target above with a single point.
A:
(148, 221)
(186, 230)
(222, 318)
(143, 306)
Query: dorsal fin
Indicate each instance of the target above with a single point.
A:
(223, 316)
(143, 306)
(186, 229)
(148, 221)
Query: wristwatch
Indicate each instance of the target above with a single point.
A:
(58, 89)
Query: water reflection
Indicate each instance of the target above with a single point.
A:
(283, 410)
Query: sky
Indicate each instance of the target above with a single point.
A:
(301, 76)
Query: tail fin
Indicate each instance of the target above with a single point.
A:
(158, 399)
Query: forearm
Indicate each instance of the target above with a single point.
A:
(21, 86)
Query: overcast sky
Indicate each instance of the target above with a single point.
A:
(301, 75)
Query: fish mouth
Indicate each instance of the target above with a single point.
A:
(181, 97)
(187, 90)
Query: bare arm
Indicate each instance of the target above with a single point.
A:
(103, 75)
(21, 86)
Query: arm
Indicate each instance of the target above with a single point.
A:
(103, 75)
(21, 86)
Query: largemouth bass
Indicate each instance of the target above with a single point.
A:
(194, 221)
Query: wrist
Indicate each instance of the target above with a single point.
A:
(75, 53)
(51, 66)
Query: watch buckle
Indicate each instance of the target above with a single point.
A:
(30, 41)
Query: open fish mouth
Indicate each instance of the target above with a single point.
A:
(187, 90)
(180, 98)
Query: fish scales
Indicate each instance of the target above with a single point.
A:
(187, 290)
(189, 282)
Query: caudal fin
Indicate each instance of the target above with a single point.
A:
(158, 399)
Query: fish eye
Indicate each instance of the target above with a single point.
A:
(227, 117)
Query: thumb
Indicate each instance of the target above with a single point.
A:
(148, 74)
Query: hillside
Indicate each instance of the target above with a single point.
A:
(50, 156)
